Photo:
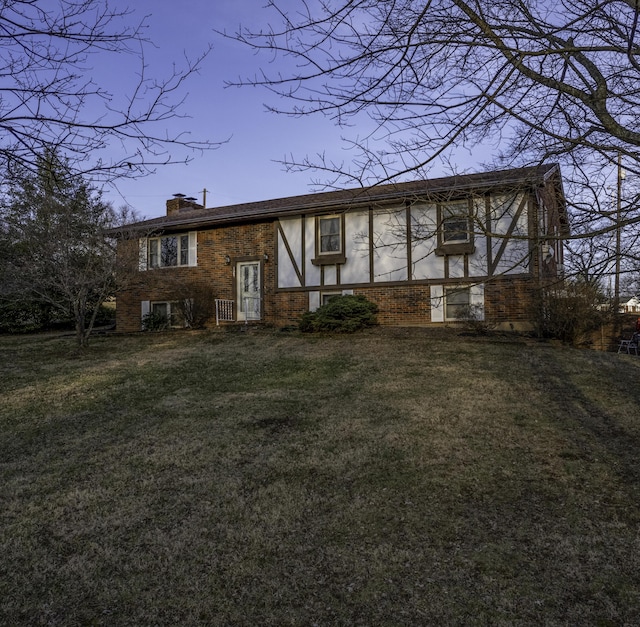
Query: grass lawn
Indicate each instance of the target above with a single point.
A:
(397, 477)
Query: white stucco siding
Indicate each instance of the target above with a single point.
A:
(522, 243)
(390, 245)
(286, 273)
(312, 272)
(330, 275)
(456, 266)
(356, 268)
(478, 266)
(478, 260)
(292, 230)
(385, 233)
(514, 257)
(426, 264)
(289, 265)
(424, 240)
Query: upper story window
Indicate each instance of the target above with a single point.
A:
(330, 235)
(171, 250)
(168, 251)
(455, 223)
(455, 235)
(329, 240)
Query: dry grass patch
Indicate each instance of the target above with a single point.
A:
(393, 477)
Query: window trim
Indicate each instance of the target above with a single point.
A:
(156, 243)
(461, 227)
(173, 321)
(241, 314)
(456, 246)
(334, 256)
(455, 289)
(186, 250)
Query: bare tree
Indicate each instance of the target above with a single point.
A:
(50, 101)
(524, 80)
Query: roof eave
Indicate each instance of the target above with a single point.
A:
(357, 198)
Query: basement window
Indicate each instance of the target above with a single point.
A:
(325, 297)
(456, 302)
(170, 312)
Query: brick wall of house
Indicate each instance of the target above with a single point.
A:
(400, 304)
(510, 300)
(212, 272)
(507, 300)
(288, 307)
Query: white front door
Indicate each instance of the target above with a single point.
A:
(249, 304)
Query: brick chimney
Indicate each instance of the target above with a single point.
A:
(180, 204)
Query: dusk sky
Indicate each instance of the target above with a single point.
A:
(246, 168)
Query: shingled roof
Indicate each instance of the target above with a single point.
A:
(353, 198)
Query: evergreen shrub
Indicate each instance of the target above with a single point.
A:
(342, 314)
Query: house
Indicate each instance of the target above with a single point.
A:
(630, 304)
(425, 251)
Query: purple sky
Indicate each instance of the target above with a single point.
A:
(244, 169)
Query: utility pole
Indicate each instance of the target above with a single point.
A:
(204, 198)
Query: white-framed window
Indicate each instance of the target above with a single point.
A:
(457, 302)
(329, 235)
(168, 250)
(455, 223)
(448, 303)
(322, 298)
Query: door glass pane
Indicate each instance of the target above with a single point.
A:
(245, 279)
(249, 287)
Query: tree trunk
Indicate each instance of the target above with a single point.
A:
(81, 332)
